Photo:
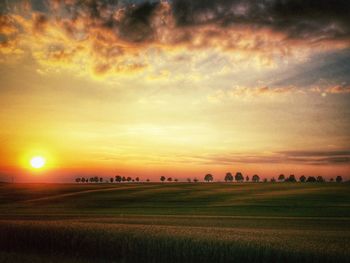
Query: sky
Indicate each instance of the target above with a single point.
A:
(177, 88)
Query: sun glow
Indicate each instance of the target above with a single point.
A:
(37, 162)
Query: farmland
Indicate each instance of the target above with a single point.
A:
(173, 222)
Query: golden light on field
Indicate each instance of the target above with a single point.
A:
(37, 162)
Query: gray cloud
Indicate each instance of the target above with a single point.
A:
(300, 19)
(311, 19)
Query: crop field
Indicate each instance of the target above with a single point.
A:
(175, 222)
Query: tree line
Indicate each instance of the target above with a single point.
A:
(238, 177)
(116, 179)
(281, 178)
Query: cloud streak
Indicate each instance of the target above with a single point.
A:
(283, 157)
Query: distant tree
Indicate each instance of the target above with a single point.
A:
(123, 178)
(195, 180)
(302, 179)
(176, 180)
(265, 180)
(137, 179)
(101, 179)
(239, 177)
(77, 180)
(291, 179)
(228, 177)
(170, 179)
(86, 180)
(255, 178)
(83, 180)
(133, 180)
(147, 180)
(162, 178)
(96, 179)
(118, 178)
(273, 180)
(319, 179)
(311, 179)
(331, 180)
(339, 179)
(91, 179)
(111, 179)
(128, 179)
(247, 178)
(281, 178)
(189, 180)
(208, 178)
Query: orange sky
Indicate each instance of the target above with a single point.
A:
(99, 89)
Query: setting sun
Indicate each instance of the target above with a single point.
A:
(37, 162)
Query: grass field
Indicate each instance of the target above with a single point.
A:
(177, 222)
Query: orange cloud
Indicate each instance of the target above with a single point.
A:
(338, 89)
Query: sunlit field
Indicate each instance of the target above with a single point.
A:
(175, 222)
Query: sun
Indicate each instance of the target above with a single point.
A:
(37, 162)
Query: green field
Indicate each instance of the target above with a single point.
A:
(175, 222)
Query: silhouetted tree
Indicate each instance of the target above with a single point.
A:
(339, 179)
(228, 177)
(162, 178)
(273, 180)
(170, 179)
(189, 180)
(111, 179)
(302, 179)
(77, 180)
(265, 180)
(208, 178)
(118, 178)
(147, 180)
(281, 178)
(247, 178)
(239, 177)
(319, 179)
(91, 180)
(255, 178)
(123, 178)
(101, 179)
(176, 180)
(195, 180)
(291, 179)
(128, 179)
(96, 179)
(331, 180)
(311, 179)
(137, 179)
(83, 180)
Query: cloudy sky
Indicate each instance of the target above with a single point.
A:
(177, 88)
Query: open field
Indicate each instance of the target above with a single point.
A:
(215, 222)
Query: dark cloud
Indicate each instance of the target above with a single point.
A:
(298, 18)
(110, 29)
(136, 25)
